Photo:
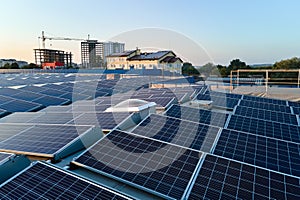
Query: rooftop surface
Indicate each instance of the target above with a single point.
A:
(197, 144)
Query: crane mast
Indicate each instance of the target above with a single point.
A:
(44, 38)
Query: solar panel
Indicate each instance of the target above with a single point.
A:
(50, 101)
(44, 181)
(153, 166)
(162, 101)
(220, 178)
(42, 139)
(219, 101)
(222, 94)
(265, 152)
(296, 110)
(105, 120)
(294, 104)
(265, 128)
(4, 156)
(74, 96)
(176, 131)
(265, 106)
(3, 113)
(266, 115)
(9, 130)
(197, 115)
(20, 106)
(265, 100)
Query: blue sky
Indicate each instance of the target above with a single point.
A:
(255, 31)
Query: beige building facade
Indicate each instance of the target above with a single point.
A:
(164, 60)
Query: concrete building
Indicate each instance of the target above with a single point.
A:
(165, 60)
(10, 61)
(94, 53)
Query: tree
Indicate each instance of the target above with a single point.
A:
(14, 66)
(6, 66)
(292, 63)
(31, 66)
(189, 69)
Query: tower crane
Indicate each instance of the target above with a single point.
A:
(44, 38)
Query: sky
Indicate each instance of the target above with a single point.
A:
(254, 31)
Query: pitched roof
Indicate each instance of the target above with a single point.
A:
(170, 59)
(121, 54)
(150, 56)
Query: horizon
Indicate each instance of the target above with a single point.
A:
(265, 32)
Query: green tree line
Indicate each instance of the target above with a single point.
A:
(16, 66)
(211, 69)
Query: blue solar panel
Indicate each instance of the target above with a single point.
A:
(266, 115)
(20, 106)
(197, 115)
(222, 94)
(294, 104)
(105, 120)
(150, 165)
(296, 110)
(42, 139)
(221, 178)
(265, 106)
(265, 100)
(4, 156)
(44, 181)
(265, 128)
(3, 113)
(50, 101)
(219, 101)
(176, 131)
(162, 101)
(265, 152)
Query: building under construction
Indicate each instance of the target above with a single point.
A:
(51, 59)
(93, 53)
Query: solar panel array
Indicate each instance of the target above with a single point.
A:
(250, 153)
(40, 139)
(265, 106)
(176, 131)
(43, 181)
(221, 178)
(197, 115)
(265, 128)
(165, 170)
(219, 99)
(266, 115)
(4, 156)
(265, 152)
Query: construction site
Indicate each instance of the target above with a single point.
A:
(93, 53)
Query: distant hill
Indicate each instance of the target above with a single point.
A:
(260, 65)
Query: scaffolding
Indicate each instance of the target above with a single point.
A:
(92, 54)
(52, 58)
(268, 80)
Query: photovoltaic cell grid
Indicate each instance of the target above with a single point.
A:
(219, 101)
(150, 165)
(197, 115)
(175, 131)
(265, 128)
(260, 151)
(105, 120)
(221, 94)
(9, 130)
(42, 139)
(220, 178)
(265, 100)
(4, 156)
(42, 181)
(14, 105)
(296, 110)
(265, 106)
(266, 115)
